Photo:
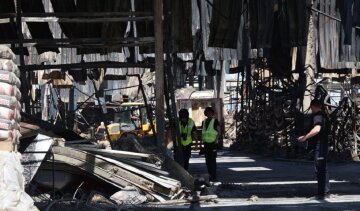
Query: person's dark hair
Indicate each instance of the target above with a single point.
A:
(183, 113)
(209, 110)
(316, 102)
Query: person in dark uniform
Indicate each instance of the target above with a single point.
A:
(187, 132)
(209, 136)
(319, 134)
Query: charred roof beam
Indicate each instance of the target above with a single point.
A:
(80, 41)
(79, 14)
(88, 65)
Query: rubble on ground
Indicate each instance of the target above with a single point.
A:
(87, 176)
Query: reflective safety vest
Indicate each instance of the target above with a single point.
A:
(209, 134)
(187, 129)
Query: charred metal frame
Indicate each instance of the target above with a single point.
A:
(94, 17)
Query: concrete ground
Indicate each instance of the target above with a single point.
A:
(250, 182)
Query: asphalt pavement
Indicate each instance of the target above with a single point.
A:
(252, 182)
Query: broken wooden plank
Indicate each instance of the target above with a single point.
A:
(93, 169)
(165, 186)
(102, 174)
(130, 158)
(94, 160)
(186, 177)
(117, 168)
(146, 166)
(28, 130)
(65, 166)
(115, 153)
(164, 182)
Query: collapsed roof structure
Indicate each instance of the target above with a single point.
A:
(74, 52)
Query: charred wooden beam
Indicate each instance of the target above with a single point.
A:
(78, 20)
(87, 65)
(85, 19)
(23, 75)
(114, 153)
(159, 73)
(28, 130)
(78, 14)
(135, 40)
(110, 169)
(91, 46)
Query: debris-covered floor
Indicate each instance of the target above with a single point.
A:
(79, 175)
(250, 182)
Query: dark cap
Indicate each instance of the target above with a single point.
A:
(183, 113)
(316, 102)
(209, 110)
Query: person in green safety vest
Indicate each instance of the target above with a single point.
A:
(209, 136)
(187, 132)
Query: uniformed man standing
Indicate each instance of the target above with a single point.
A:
(210, 134)
(319, 133)
(187, 132)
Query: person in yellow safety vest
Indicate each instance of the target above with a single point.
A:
(187, 132)
(209, 136)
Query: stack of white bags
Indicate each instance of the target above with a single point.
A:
(12, 194)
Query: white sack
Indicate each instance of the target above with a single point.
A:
(12, 194)
(9, 65)
(6, 124)
(10, 78)
(7, 135)
(8, 113)
(10, 135)
(9, 102)
(9, 90)
(6, 53)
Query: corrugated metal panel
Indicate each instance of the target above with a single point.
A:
(329, 39)
(212, 53)
(181, 25)
(225, 23)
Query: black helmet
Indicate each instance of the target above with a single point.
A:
(209, 110)
(316, 102)
(183, 113)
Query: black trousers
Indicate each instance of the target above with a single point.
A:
(321, 170)
(210, 158)
(186, 156)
